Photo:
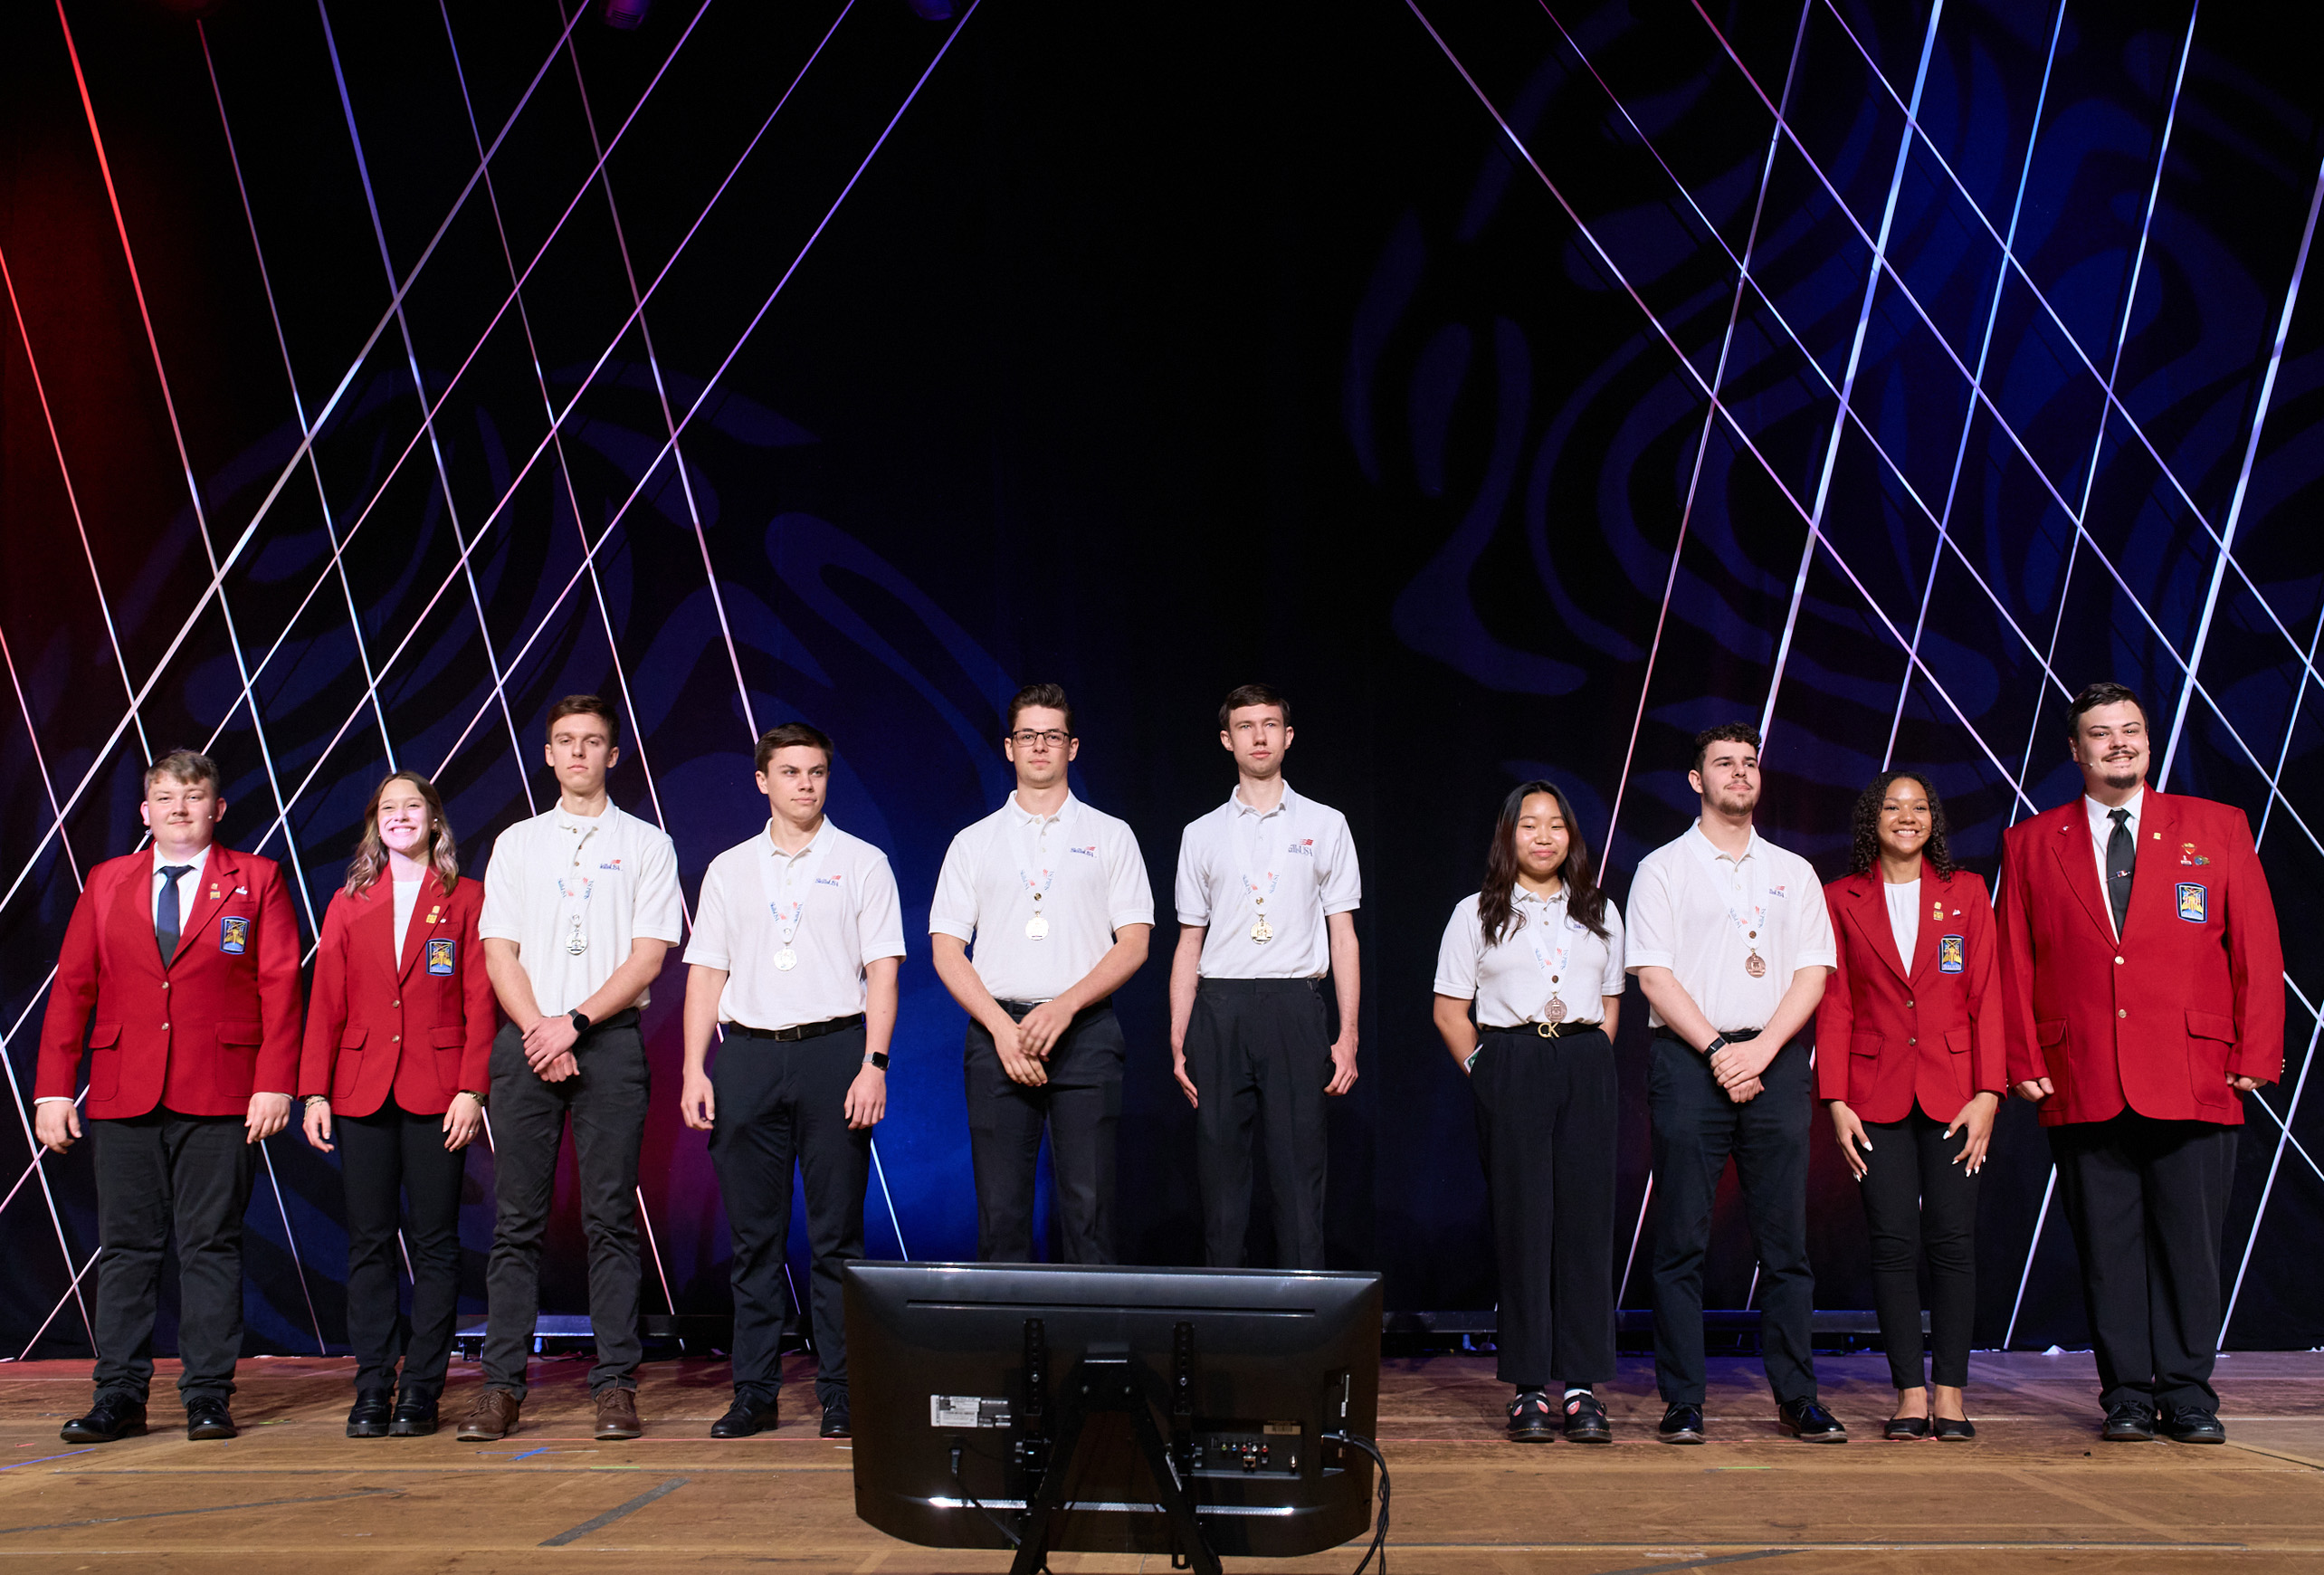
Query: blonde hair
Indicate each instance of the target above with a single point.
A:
(371, 854)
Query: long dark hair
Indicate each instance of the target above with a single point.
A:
(1866, 854)
(1496, 905)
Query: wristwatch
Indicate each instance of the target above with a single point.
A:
(878, 1058)
(580, 1020)
(1718, 1043)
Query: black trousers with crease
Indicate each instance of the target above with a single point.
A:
(158, 1175)
(1547, 1114)
(382, 1155)
(1917, 1198)
(1080, 1105)
(1258, 1048)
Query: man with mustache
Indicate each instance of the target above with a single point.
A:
(2142, 981)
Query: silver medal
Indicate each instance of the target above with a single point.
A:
(1037, 926)
(786, 960)
(576, 943)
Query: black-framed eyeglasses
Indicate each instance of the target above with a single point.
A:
(1056, 738)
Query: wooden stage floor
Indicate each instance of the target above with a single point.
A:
(2035, 1491)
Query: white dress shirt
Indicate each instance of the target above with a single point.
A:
(1904, 918)
(2101, 832)
(610, 880)
(407, 897)
(1299, 858)
(1546, 955)
(1089, 880)
(1702, 915)
(189, 885)
(833, 905)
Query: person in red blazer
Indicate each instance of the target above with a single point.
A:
(399, 1045)
(1911, 1064)
(2143, 981)
(186, 956)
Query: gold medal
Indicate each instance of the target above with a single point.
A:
(1262, 932)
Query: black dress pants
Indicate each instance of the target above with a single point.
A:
(2147, 1200)
(382, 1154)
(780, 1102)
(605, 1102)
(159, 1174)
(1916, 1197)
(1080, 1105)
(1259, 1048)
(1546, 1115)
(1695, 1127)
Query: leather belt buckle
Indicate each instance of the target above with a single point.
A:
(1547, 1030)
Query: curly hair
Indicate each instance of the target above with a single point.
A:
(1866, 852)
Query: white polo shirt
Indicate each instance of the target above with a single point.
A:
(1702, 915)
(833, 905)
(1077, 871)
(1550, 956)
(1297, 856)
(608, 879)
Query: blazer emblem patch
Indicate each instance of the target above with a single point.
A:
(2193, 902)
(1952, 953)
(234, 935)
(439, 956)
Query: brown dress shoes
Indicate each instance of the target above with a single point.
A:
(494, 1416)
(616, 1414)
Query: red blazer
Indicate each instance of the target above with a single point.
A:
(2193, 993)
(423, 1029)
(1887, 1036)
(219, 1023)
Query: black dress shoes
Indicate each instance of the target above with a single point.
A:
(1530, 1420)
(2194, 1425)
(207, 1417)
(1906, 1427)
(415, 1418)
(1954, 1429)
(744, 1420)
(370, 1417)
(836, 1422)
(110, 1417)
(1810, 1423)
(1681, 1424)
(2128, 1424)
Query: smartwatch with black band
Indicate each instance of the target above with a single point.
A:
(878, 1058)
(1718, 1043)
(580, 1020)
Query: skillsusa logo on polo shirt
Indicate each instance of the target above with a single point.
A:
(1089, 852)
(1304, 848)
(831, 881)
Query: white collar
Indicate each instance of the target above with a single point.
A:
(567, 820)
(1283, 806)
(2101, 815)
(767, 848)
(1521, 895)
(1712, 850)
(194, 863)
(1020, 815)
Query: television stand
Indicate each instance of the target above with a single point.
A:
(1110, 1381)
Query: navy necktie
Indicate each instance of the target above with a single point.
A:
(2121, 858)
(165, 918)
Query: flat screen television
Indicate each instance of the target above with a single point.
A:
(991, 1401)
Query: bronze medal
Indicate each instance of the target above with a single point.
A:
(1755, 965)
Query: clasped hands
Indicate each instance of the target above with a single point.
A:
(1023, 1045)
(1737, 1067)
(548, 1048)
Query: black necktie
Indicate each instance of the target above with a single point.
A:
(2121, 858)
(166, 919)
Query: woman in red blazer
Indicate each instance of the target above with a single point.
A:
(399, 1041)
(1912, 1063)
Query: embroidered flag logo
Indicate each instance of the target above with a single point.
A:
(234, 935)
(439, 956)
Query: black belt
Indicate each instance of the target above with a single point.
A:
(1017, 1011)
(1552, 1030)
(1732, 1035)
(624, 1018)
(803, 1031)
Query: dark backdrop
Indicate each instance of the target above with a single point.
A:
(1153, 350)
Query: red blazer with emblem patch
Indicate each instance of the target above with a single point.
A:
(201, 1034)
(421, 1027)
(1889, 1035)
(2191, 995)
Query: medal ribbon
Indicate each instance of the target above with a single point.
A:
(1554, 967)
(797, 872)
